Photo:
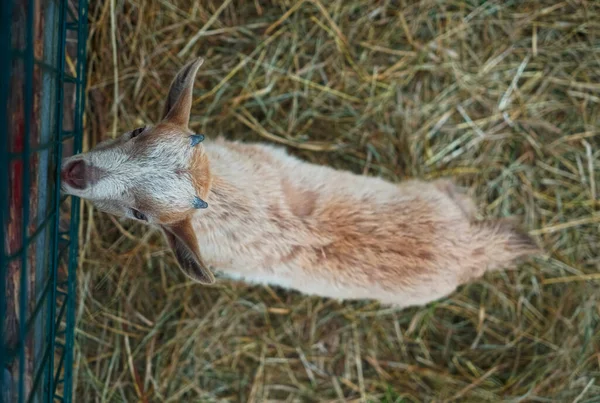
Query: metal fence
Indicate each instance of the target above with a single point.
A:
(42, 88)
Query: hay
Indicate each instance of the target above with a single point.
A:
(502, 95)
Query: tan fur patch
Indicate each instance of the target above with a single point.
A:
(301, 202)
(164, 216)
(160, 133)
(173, 216)
(397, 242)
(200, 173)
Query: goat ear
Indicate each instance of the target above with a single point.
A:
(183, 243)
(179, 101)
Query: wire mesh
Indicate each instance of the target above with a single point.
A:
(42, 88)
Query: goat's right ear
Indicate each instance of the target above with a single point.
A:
(179, 101)
(184, 244)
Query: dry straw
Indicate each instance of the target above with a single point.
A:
(502, 95)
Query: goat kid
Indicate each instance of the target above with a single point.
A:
(252, 212)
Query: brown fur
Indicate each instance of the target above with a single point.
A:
(199, 172)
(301, 202)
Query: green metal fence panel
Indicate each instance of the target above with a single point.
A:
(42, 99)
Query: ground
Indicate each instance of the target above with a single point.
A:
(502, 96)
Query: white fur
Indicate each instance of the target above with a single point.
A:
(158, 176)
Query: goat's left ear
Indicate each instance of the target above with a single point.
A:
(179, 101)
(183, 243)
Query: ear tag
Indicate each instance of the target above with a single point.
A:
(196, 139)
(198, 203)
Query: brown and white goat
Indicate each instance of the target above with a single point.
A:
(252, 212)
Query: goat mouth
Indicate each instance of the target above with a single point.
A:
(73, 174)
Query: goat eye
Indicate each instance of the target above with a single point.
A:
(137, 131)
(138, 215)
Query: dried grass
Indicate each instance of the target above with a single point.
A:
(502, 95)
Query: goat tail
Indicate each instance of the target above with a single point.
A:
(506, 244)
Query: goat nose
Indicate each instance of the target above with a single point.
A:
(74, 174)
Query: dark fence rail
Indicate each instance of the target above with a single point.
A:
(42, 93)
